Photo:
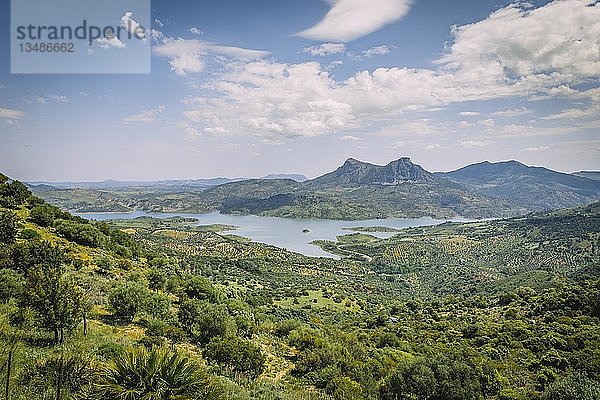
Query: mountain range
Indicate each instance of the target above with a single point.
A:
(355, 190)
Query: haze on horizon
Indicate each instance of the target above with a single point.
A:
(245, 90)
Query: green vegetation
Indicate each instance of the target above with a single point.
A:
(161, 309)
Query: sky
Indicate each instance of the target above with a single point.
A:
(242, 88)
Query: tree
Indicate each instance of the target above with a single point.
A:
(43, 214)
(198, 287)
(56, 298)
(11, 284)
(238, 354)
(157, 305)
(36, 252)
(13, 194)
(84, 234)
(8, 227)
(156, 279)
(128, 299)
(157, 374)
(203, 320)
(574, 387)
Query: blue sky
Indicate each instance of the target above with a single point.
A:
(246, 88)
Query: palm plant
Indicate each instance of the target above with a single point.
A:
(157, 374)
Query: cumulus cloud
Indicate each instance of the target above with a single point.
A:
(110, 42)
(559, 38)
(195, 31)
(145, 116)
(184, 56)
(326, 49)
(485, 61)
(132, 26)
(188, 55)
(350, 19)
(10, 114)
(377, 51)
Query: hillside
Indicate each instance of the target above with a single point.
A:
(505, 309)
(355, 172)
(594, 175)
(534, 188)
(355, 190)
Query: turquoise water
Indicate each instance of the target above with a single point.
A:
(283, 232)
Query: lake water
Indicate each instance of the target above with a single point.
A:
(283, 232)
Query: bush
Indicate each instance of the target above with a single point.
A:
(8, 227)
(43, 214)
(574, 387)
(204, 321)
(238, 354)
(78, 372)
(81, 233)
(11, 284)
(128, 299)
(29, 234)
(156, 374)
(157, 305)
(197, 287)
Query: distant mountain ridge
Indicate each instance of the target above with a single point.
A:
(294, 177)
(355, 190)
(594, 175)
(535, 188)
(361, 173)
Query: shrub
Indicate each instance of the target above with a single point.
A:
(156, 374)
(238, 354)
(128, 299)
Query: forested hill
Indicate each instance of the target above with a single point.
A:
(355, 190)
(163, 309)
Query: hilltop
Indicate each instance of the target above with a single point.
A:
(355, 190)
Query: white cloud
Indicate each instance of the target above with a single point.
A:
(326, 49)
(350, 138)
(350, 19)
(133, 26)
(490, 123)
(515, 112)
(475, 143)
(238, 52)
(537, 149)
(464, 124)
(575, 113)
(559, 38)
(377, 51)
(145, 116)
(46, 99)
(112, 42)
(10, 114)
(273, 99)
(185, 56)
(433, 146)
(159, 22)
(195, 31)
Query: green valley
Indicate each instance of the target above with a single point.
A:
(165, 309)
